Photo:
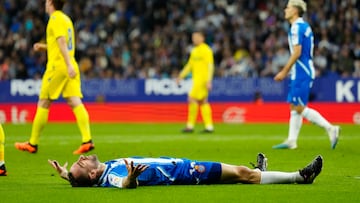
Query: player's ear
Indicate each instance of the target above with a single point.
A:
(92, 174)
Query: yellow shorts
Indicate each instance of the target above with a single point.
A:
(199, 92)
(56, 81)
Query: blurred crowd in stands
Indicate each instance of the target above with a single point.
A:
(124, 39)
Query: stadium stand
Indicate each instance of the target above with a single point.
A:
(151, 39)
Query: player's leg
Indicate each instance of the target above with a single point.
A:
(83, 122)
(39, 122)
(200, 94)
(241, 174)
(2, 152)
(193, 109)
(82, 117)
(315, 117)
(52, 84)
(206, 114)
(297, 97)
(231, 174)
(40, 119)
(295, 123)
(72, 93)
(306, 175)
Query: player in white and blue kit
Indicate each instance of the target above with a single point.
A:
(302, 73)
(162, 171)
(131, 172)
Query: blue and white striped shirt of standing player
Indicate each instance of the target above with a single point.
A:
(162, 171)
(303, 71)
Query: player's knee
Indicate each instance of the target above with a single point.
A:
(246, 175)
(44, 103)
(73, 101)
(299, 109)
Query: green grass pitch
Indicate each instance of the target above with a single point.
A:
(31, 179)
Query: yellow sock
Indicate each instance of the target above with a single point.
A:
(82, 119)
(193, 108)
(2, 142)
(206, 114)
(41, 118)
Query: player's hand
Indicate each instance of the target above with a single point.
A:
(135, 171)
(209, 86)
(178, 81)
(62, 171)
(39, 46)
(71, 71)
(280, 76)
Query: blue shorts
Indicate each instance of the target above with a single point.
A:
(299, 92)
(206, 172)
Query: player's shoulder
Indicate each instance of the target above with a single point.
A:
(205, 47)
(299, 26)
(55, 15)
(300, 22)
(59, 16)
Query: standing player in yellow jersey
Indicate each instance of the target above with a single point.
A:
(201, 66)
(61, 77)
(2, 152)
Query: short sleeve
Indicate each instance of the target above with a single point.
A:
(295, 35)
(58, 26)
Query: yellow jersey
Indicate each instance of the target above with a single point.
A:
(59, 25)
(200, 64)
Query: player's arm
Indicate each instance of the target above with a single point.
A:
(62, 171)
(184, 72)
(40, 46)
(211, 69)
(291, 61)
(65, 53)
(133, 172)
(210, 77)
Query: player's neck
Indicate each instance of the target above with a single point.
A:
(293, 19)
(101, 168)
(51, 11)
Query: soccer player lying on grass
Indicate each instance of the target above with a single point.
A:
(88, 171)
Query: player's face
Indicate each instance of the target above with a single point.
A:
(290, 12)
(47, 5)
(84, 165)
(197, 38)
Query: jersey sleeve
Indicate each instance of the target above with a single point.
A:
(187, 68)
(58, 27)
(210, 62)
(295, 35)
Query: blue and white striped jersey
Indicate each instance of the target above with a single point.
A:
(162, 171)
(300, 33)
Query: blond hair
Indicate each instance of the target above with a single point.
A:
(298, 3)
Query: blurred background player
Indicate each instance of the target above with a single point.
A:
(61, 77)
(2, 152)
(300, 63)
(201, 67)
